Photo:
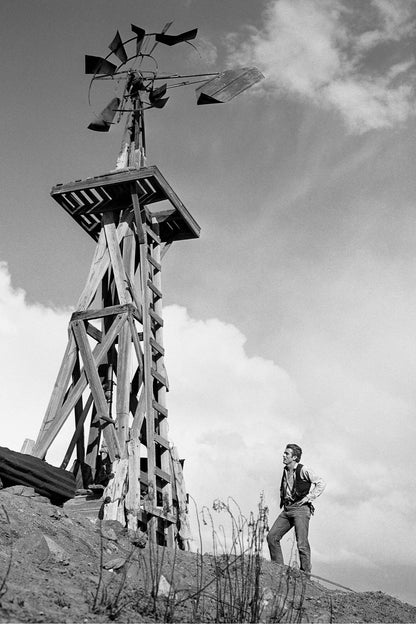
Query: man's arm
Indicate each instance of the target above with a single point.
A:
(317, 482)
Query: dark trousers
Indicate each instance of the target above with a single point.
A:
(297, 517)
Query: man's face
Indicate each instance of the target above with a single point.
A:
(288, 456)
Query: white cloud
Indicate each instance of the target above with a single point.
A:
(317, 49)
(33, 338)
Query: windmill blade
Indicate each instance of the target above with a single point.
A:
(171, 40)
(164, 29)
(103, 121)
(117, 47)
(140, 32)
(159, 103)
(156, 98)
(157, 93)
(98, 65)
(227, 85)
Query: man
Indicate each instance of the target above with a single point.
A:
(299, 487)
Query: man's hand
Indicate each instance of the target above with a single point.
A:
(303, 501)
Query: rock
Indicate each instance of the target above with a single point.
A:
(164, 589)
(22, 490)
(115, 564)
(138, 538)
(112, 529)
(109, 533)
(57, 552)
(26, 491)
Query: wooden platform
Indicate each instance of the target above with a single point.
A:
(86, 200)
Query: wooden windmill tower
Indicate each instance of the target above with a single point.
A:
(112, 379)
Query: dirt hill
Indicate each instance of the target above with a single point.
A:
(58, 566)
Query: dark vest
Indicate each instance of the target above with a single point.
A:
(301, 487)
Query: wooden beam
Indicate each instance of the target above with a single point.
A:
(137, 216)
(115, 490)
(44, 439)
(94, 332)
(90, 368)
(100, 264)
(102, 312)
(78, 409)
(115, 257)
(78, 432)
(133, 493)
(58, 417)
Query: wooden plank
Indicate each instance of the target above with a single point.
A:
(157, 511)
(123, 386)
(115, 257)
(154, 263)
(100, 265)
(152, 234)
(154, 290)
(56, 423)
(124, 351)
(160, 408)
(139, 415)
(165, 250)
(132, 502)
(137, 216)
(114, 490)
(163, 474)
(157, 347)
(44, 439)
(90, 368)
(158, 377)
(162, 441)
(78, 409)
(92, 331)
(94, 439)
(27, 446)
(79, 430)
(136, 342)
(111, 310)
(158, 319)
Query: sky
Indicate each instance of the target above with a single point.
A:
(292, 318)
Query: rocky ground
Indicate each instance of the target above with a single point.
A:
(58, 566)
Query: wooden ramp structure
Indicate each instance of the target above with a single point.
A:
(112, 380)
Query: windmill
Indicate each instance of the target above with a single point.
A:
(112, 379)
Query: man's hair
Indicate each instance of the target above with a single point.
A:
(296, 450)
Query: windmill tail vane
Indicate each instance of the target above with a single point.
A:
(142, 90)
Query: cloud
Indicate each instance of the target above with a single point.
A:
(225, 407)
(319, 50)
(33, 339)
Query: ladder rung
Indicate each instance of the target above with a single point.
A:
(154, 262)
(161, 441)
(158, 319)
(157, 347)
(159, 408)
(157, 511)
(159, 377)
(152, 234)
(162, 474)
(153, 288)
